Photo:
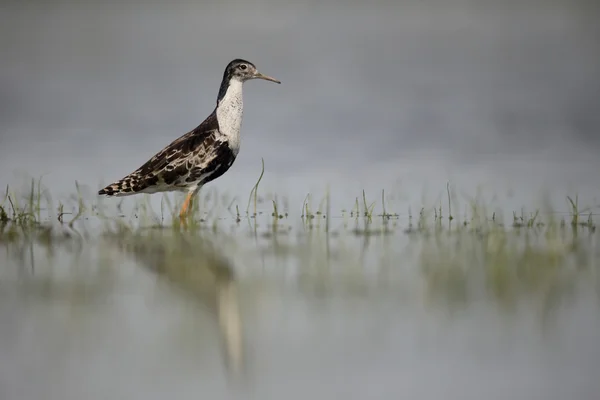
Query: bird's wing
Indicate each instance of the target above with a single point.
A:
(181, 160)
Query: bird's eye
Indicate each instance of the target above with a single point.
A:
(243, 66)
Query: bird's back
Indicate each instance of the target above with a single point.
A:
(197, 157)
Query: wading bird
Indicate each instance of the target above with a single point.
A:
(201, 155)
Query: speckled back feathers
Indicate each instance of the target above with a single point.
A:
(192, 160)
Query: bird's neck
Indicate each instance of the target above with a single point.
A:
(230, 108)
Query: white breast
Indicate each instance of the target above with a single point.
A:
(229, 114)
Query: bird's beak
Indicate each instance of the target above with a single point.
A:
(258, 75)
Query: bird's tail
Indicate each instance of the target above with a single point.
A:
(129, 185)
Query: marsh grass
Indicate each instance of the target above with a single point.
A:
(34, 207)
(254, 192)
(522, 250)
(541, 255)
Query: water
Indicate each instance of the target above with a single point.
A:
(297, 315)
(397, 96)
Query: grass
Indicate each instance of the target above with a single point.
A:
(254, 191)
(34, 207)
(535, 253)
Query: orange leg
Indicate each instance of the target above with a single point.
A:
(186, 205)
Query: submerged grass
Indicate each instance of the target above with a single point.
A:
(533, 252)
(34, 207)
(540, 254)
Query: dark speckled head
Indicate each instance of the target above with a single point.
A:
(240, 70)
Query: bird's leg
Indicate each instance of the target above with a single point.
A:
(186, 205)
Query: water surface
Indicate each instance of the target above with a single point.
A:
(397, 96)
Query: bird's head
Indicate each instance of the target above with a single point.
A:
(243, 70)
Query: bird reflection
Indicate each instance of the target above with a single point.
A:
(193, 263)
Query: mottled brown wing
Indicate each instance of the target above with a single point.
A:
(171, 166)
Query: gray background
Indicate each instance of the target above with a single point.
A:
(378, 95)
(395, 95)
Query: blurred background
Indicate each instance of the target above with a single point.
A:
(385, 94)
(396, 95)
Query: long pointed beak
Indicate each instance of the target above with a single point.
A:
(258, 75)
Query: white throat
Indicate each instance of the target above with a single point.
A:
(229, 114)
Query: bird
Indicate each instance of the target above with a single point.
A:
(201, 155)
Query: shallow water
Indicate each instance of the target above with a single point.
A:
(395, 96)
(245, 314)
